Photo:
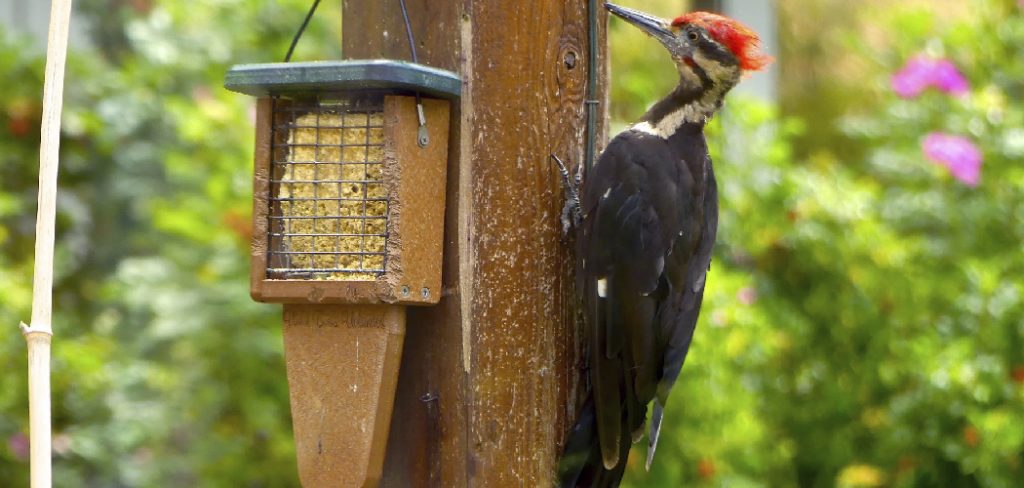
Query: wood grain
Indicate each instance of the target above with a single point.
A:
(428, 445)
(341, 362)
(490, 377)
(415, 179)
(527, 104)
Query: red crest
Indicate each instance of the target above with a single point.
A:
(738, 38)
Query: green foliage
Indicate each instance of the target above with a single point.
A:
(161, 359)
(635, 59)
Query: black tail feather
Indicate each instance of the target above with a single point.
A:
(581, 452)
(581, 465)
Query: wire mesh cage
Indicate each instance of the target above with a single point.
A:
(328, 206)
(350, 169)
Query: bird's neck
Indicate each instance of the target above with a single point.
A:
(686, 106)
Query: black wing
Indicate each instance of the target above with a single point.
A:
(639, 235)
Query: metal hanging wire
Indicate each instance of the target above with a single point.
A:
(591, 101)
(408, 31)
(302, 28)
(423, 138)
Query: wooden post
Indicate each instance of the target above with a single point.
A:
(490, 376)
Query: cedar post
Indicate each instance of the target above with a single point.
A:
(490, 378)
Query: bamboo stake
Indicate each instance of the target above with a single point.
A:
(39, 334)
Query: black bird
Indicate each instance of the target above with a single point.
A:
(648, 218)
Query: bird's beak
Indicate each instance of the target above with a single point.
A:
(653, 26)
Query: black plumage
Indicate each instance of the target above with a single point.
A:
(649, 212)
(648, 231)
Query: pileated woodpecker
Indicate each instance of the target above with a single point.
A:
(647, 223)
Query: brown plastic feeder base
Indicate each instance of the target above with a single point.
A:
(342, 366)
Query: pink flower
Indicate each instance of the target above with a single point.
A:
(19, 446)
(747, 295)
(947, 78)
(910, 81)
(957, 153)
(922, 72)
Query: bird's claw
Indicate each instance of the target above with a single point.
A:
(572, 215)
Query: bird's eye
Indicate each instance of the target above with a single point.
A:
(693, 36)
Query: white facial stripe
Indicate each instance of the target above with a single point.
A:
(602, 287)
(696, 112)
(724, 77)
(688, 75)
(720, 73)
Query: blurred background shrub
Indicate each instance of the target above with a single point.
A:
(865, 318)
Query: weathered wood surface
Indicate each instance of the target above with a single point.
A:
(490, 376)
(427, 446)
(340, 361)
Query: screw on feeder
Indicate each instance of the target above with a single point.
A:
(423, 138)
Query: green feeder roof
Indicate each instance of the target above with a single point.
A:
(379, 74)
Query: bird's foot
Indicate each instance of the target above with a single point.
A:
(571, 213)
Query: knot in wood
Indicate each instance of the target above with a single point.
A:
(570, 58)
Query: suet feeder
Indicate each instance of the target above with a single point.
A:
(348, 218)
(349, 185)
